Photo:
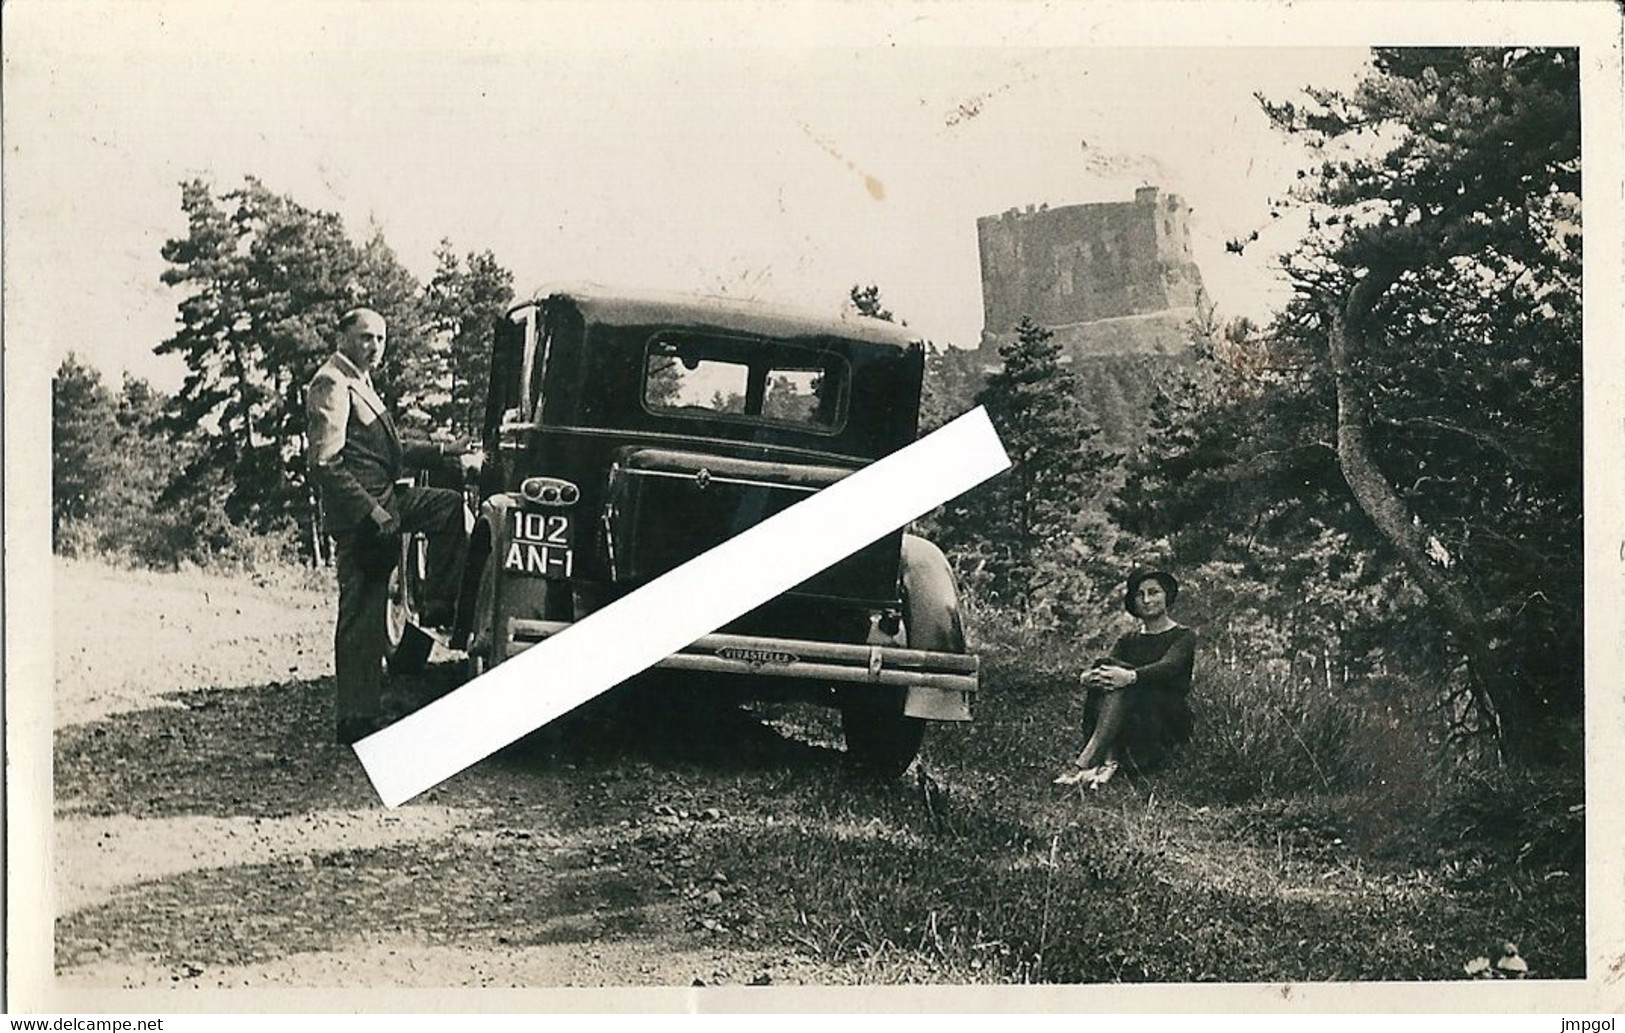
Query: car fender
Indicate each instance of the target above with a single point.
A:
(932, 619)
(930, 597)
(515, 596)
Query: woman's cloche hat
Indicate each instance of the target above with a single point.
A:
(1139, 575)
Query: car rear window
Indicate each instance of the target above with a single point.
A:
(773, 382)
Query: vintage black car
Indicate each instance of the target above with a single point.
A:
(627, 433)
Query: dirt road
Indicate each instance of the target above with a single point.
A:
(210, 835)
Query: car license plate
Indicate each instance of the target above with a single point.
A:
(541, 545)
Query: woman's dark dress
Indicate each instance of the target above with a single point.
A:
(1159, 716)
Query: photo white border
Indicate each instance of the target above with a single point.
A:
(71, 29)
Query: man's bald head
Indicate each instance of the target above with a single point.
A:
(362, 336)
(357, 316)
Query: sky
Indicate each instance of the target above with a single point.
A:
(783, 158)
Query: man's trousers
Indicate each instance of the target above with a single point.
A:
(365, 561)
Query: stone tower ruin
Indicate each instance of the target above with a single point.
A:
(1109, 279)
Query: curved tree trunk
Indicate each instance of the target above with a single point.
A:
(1496, 693)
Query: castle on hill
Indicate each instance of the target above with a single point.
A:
(1114, 278)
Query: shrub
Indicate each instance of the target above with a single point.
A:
(170, 539)
(1533, 819)
(1270, 732)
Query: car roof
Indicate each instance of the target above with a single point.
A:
(616, 307)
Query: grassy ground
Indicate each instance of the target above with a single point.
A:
(1298, 837)
(1224, 866)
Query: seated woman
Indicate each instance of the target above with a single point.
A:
(1139, 696)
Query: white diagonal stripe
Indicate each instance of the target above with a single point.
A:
(634, 633)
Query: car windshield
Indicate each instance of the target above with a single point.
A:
(760, 381)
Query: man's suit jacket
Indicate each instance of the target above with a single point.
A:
(355, 454)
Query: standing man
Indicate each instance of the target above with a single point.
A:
(355, 458)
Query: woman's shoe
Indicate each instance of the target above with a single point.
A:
(1072, 778)
(1103, 774)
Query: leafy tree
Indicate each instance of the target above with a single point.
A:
(664, 381)
(867, 302)
(1405, 440)
(730, 402)
(784, 400)
(381, 283)
(462, 303)
(1020, 532)
(128, 518)
(1444, 288)
(111, 463)
(953, 376)
(82, 461)
(147, 519)
(266, 280)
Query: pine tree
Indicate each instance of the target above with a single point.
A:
(462, 302)
(111, 463)
(1440, 296)
(1392, 470)
(128, 517)
(952, 379)
(82, 427)
(866, 300)
(1022, 530)
(265, 283)
(382, 284)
